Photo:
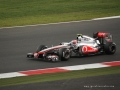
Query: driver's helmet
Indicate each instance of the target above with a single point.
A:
(73, 42)
(79, 37)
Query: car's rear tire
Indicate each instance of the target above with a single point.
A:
(110, 48)
(41, 47)
(64, 54)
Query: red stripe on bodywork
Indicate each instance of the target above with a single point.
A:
(117, 63)
(43, 71)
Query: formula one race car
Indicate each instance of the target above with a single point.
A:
(100, 43)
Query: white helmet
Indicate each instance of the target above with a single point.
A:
(79, 37)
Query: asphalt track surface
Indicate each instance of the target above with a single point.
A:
(16, 42)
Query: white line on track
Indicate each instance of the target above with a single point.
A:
(112, 17)
(106, 18)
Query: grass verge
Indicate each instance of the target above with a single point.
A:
(60, 76)
(26, 12)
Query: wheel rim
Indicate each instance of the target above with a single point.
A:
(112, 48)
(67, 55)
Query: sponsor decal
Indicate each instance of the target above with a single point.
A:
(101, 34)
(88, 49)
(84, 49)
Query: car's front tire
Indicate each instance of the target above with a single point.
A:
(64, 54)
(41, 47)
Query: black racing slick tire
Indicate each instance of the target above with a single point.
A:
(64, 54)
(110, 48)
(41, 47)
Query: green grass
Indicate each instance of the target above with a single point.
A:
(60, 76)
(26, 12)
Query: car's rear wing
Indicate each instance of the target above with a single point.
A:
(103, 36)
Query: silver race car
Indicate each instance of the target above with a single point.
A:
(100, 43)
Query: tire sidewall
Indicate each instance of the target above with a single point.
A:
(110, 48)
(64, 54)
(41, 47)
